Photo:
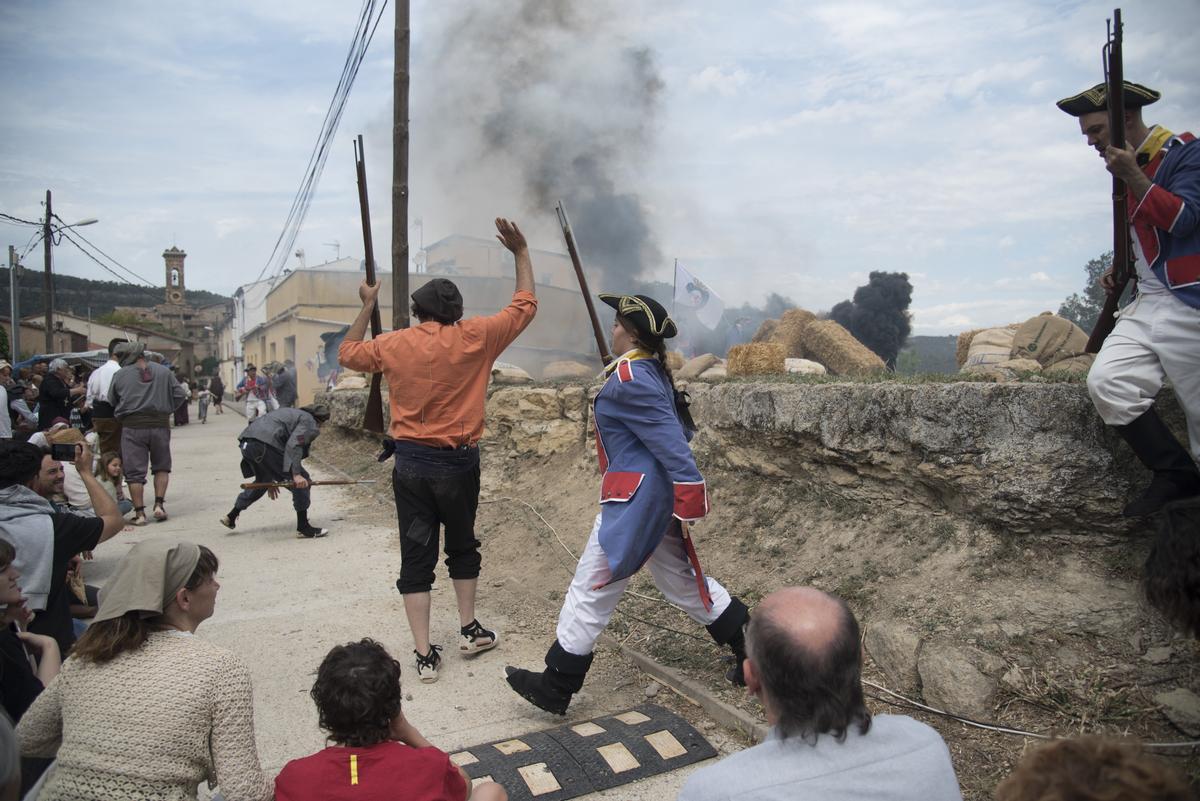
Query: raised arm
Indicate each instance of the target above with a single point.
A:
(511, 237)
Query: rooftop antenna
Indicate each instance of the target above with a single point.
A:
(337, 248)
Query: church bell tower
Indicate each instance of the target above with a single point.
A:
(174, 257)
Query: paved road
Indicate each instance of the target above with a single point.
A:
(285, 601)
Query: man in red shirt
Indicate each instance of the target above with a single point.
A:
(437, 375)
(377, 754)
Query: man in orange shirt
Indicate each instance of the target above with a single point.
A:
(437, 374)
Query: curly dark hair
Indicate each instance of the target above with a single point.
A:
(357, 693)
(1092, 769)
(814, 691)
(1171, 578)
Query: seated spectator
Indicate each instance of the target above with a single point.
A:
(46, 539)
(143, 709)
(804, 664)
(108, 471)
(22, 405)
(21, 681)
(1092, 769)
(377, 753)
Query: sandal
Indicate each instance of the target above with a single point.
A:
(139, 516)
(427, 665)
(160, 511)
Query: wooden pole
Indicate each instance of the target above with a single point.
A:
(400, 171)
(48, 280)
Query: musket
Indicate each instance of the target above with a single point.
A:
(291, 485)
(1114, 76)
(373, 419)
(573, 250)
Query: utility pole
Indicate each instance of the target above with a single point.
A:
(48, 280)
(400, 170)
(14, 286)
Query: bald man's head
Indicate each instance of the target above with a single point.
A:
(804, 646)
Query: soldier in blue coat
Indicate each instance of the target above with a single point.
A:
(651, 489)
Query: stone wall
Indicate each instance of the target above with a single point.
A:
(1026, 458)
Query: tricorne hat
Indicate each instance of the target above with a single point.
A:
(647, 314)
(1096, 99)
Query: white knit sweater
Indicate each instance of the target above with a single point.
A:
(150, 724)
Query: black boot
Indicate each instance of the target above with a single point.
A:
(729, 629)
(306, 529)
(230, 520)
(1175, 474)
(551, 689)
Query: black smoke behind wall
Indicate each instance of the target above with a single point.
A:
(533, 101)
(878, 315)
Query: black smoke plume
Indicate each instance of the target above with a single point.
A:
(878, 315)
(547, 100)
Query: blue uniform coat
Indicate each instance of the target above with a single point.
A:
(650, 475)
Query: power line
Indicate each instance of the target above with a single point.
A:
(122, 279)
(364, 33)
(16, 220)
(114, 261)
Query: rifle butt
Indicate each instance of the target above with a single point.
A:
(373, 419)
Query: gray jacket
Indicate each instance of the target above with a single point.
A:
(287, 430)
(26, 523)
(284, 384)
(154, 392)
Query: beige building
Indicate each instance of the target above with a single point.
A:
(74, 334)
(307, 303)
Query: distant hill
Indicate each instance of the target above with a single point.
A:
(928, 355)
(78, 295)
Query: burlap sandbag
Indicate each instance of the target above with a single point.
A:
(1049, 339)
(964, 346)
(1021, 365)
(692, 368)
(715, 373)
(804, 367)
(988, 348)
(790, 331)
(755, 358)
(568, 369)
(1075, 365)
(675, 360)
(832, 345)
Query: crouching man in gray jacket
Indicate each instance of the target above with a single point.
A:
(273, 447)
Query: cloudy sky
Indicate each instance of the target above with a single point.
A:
(792, 149)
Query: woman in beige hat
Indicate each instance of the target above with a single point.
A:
(143, 709)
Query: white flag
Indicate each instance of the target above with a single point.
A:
(694, 294)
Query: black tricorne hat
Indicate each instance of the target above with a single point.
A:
(647, 314)
(1096, 99)
(440, 298)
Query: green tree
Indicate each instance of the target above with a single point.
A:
(1083, 308)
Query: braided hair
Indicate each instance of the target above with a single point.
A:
(658, 347)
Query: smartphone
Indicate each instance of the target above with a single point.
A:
(62, 452)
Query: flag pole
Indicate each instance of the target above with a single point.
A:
(674, 286)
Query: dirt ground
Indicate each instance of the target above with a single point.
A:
(1063, 615)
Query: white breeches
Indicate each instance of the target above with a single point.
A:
(586, 611)
(255, 407)
(1157, 338)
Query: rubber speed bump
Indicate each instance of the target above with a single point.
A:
(582, 758)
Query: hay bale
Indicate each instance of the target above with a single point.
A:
(832, 345)
(964, 346)
(692, 368)
(1049, 339)
(804, 367)
(1075, 365)
(989, 347)
(715, 373)
(765, 332)
(568, 369)
(756, 358)
(351, 381)
(790, 331)
(675, 360)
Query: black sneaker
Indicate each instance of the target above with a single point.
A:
(474, 639)
(229, 522)
(312, 532)
(427, 666)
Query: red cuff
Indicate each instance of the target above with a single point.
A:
(1158, 207)
(691, 500)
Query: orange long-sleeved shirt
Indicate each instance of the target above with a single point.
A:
(438, 374)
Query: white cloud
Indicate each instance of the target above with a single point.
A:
(725, 82)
